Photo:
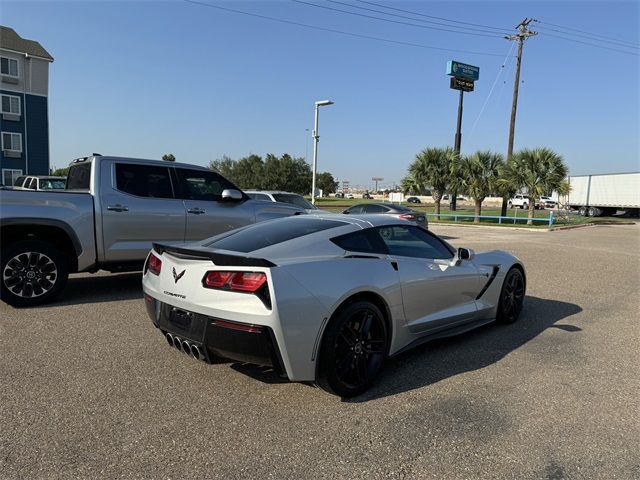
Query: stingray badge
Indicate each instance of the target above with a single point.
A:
(177, 276)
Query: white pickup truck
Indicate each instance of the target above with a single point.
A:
(522, 201)
(108, 217)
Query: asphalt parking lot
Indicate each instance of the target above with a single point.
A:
(88, 388)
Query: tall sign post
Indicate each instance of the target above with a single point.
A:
(463, 78)
(377, 179)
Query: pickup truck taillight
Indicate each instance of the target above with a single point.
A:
(154, 264)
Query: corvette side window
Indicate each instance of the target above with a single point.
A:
(364, 241)
(413, 242)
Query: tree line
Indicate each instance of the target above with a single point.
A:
(287, 173)
(485, 173)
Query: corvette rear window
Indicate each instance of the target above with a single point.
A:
(264, 234)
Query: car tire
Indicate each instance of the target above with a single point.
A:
(511, 296)
(510, 205)
(524, 206)
(33, 273)
(353, 350)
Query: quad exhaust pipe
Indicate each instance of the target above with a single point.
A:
(184, 346)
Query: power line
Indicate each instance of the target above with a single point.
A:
(399, 22)
(431, 16)
(591, 44)
(501, 70)
(587, 32)
(613, 42)
(411, 18)
(341, 32)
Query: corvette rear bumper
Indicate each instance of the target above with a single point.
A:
(216, 337)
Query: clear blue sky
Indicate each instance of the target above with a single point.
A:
(147, 78)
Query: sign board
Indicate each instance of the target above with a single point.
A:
(461, 84)
(377, 179)
(462, 70)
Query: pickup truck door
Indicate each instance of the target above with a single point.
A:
(138, 207)
(206, 213)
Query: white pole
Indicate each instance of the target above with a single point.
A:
(315, 155)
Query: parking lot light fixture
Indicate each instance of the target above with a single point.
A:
(316, 137)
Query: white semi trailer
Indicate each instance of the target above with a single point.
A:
(606, 194)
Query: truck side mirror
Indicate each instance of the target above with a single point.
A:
(231, 194)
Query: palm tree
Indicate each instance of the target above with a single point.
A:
(410, 185)
(477, 176)
(432, 167)
(537, 170)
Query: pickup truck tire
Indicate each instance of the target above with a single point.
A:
(33, 273)
(510, 205)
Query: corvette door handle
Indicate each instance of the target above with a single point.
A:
(196, 211)
(118, 208)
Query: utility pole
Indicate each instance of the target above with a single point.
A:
(520, 37)
(457, 145)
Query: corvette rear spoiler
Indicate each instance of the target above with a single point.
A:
(221, 259)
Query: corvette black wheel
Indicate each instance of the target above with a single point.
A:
(511, 297)
(353, 350)
(33, 273)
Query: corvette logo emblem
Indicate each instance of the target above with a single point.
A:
(177, 276)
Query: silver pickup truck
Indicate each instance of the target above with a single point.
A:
(107, 218)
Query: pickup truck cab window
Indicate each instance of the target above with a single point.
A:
(201, 185)
(143, 180)
(79, 177)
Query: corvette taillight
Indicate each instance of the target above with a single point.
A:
(154, 264)
(408, 216)
(238, 281)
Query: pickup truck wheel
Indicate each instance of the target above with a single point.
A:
(510, 205)
(33, 273)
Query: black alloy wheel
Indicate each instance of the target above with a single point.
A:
(33, 273)
(512, 296)
(353, 350)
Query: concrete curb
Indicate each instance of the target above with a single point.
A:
(457, 224)
(528, 229)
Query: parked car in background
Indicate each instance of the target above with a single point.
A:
(111, 212)
(284, 197)
(413, 200)
(349, 195)
(40, 182)
(325, 299)
(391, 209)
(367, 195)
(459, 197)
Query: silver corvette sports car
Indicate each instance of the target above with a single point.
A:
(325, 299)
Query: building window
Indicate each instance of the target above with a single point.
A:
(9, 66)
(11, 104)
(11, 142)
(10, 176)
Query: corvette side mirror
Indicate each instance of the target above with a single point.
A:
(465, 254)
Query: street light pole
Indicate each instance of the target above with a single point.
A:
(316, 137)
